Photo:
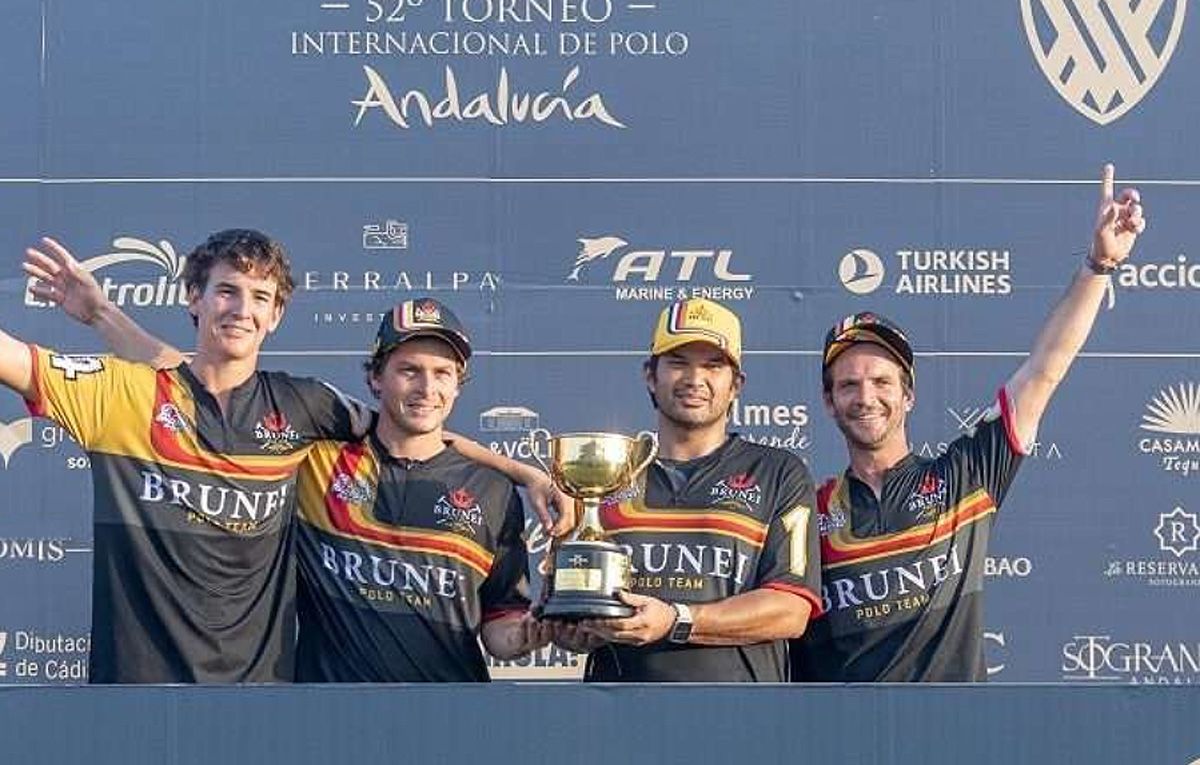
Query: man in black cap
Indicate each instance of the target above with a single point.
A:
(410, 552)
(904, 539)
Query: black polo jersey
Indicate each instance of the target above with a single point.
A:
(735, 520)
(903, 574)
(193, 578)
(401, 562)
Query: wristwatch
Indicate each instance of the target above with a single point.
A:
(681, 630)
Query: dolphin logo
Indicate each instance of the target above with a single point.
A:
(594, 249)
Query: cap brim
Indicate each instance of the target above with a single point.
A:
(460, 347)
(678, 341)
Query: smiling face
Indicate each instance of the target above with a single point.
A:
(234, 313)
(868, 398)
(693, 386)
(417, 385)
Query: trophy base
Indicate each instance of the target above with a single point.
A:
(568, 609)
(588, 574)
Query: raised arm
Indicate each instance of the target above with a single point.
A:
(1118, 223)
(58, 278)
(541, 490)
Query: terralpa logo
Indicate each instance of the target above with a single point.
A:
(1103, 56)
(165, 289)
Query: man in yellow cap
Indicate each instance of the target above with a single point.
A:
(720, 531)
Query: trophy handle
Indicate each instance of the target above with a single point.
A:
(533, 437)
(650, 438)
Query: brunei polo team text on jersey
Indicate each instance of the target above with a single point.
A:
(401, 562)
(736, 520)
(903, 574)
(193, 576)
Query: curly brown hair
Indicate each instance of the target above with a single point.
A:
(247, 250)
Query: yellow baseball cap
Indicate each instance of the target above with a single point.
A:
(697, 320)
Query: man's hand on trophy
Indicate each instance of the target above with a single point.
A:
(509, 637)
(1119, 220)
(542, 495)
(574, 637)
(651, 621)
(62, 281)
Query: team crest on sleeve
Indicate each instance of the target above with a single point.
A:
(170, 418)
(275, 434)
(351, 490)
(459, 511)
(741, 487)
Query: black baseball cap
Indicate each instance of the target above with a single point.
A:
(868, 328)
(422, 317)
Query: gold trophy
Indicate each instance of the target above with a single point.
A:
(588, 569)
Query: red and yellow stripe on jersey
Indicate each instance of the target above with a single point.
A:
(634, 516)
(322, 505)
(135, 411)
(841, 548)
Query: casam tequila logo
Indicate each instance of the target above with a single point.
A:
(1103, 56)
(663, 274)
(1173, 416)
(162, 289)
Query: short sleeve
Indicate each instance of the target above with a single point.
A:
(791, 556)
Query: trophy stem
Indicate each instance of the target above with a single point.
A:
(589, 528)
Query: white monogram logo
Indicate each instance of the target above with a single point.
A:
(1103, 56)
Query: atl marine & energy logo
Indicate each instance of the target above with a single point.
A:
(663, 274)
(1103, 56)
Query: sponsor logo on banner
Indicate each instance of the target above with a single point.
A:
(1007, 567)
(1179, 274)
(995, 646)
(14, 435)
(17, 550)
(1106, 659)
(966, 419)
(514, 420)
(35, 656)
(162, 287)
(392, 285)
(1176, 535)
(782, 425)
(547, 663)
(928, 272)
(1172, 429)
(1102, 57)
(508, 419)
(389, 235)
(660, 273)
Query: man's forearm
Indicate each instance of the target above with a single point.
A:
(757, 616)
(1057, 344)
(126, 339)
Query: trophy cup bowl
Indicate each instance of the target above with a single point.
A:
(589, 571)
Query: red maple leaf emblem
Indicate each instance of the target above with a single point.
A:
(740, 482)
(462, 499)
(275, 422)
(929, 484)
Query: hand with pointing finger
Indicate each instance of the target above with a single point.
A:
(1119, 220)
